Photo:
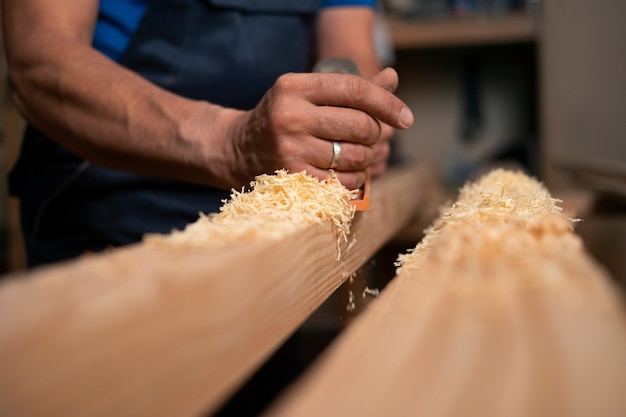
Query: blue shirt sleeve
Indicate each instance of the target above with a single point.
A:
(118, 20)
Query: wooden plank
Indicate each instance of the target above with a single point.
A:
(503, 318)
(152, 330)
(408, 34)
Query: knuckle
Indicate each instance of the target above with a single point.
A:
(360, 157)
(365, 129)
(352, 180)
(284, 82)
(358, 90)
(358, 180)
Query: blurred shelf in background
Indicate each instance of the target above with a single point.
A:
(463, 31)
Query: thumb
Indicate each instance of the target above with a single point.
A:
(387, 79)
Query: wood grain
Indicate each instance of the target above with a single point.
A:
(151, 330)
(502, 318)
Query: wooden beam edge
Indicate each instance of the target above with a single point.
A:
(477, 335)
(160, 331)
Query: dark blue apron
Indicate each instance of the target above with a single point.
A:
(225, 52)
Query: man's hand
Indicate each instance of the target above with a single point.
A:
(295, 123)
(382, 150)
(117, 119)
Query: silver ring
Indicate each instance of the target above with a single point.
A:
(334, 163)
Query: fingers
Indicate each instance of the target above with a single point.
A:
(387, 79)
(296, 122)
(338, 123)
(381, 155)
(316, 158)
(351, 180)
(351, 91)
(353, 157)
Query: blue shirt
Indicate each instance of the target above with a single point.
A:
(118, 20)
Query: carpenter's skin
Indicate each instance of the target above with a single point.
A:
(114, 118)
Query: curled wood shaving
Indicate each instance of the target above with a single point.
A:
(491, 208)
(276, 205)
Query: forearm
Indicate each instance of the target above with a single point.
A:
(114, 117)
(347, 32)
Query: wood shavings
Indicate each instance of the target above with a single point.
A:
(491, 208)
(372, 292)
(351, 304)
(275, 206)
